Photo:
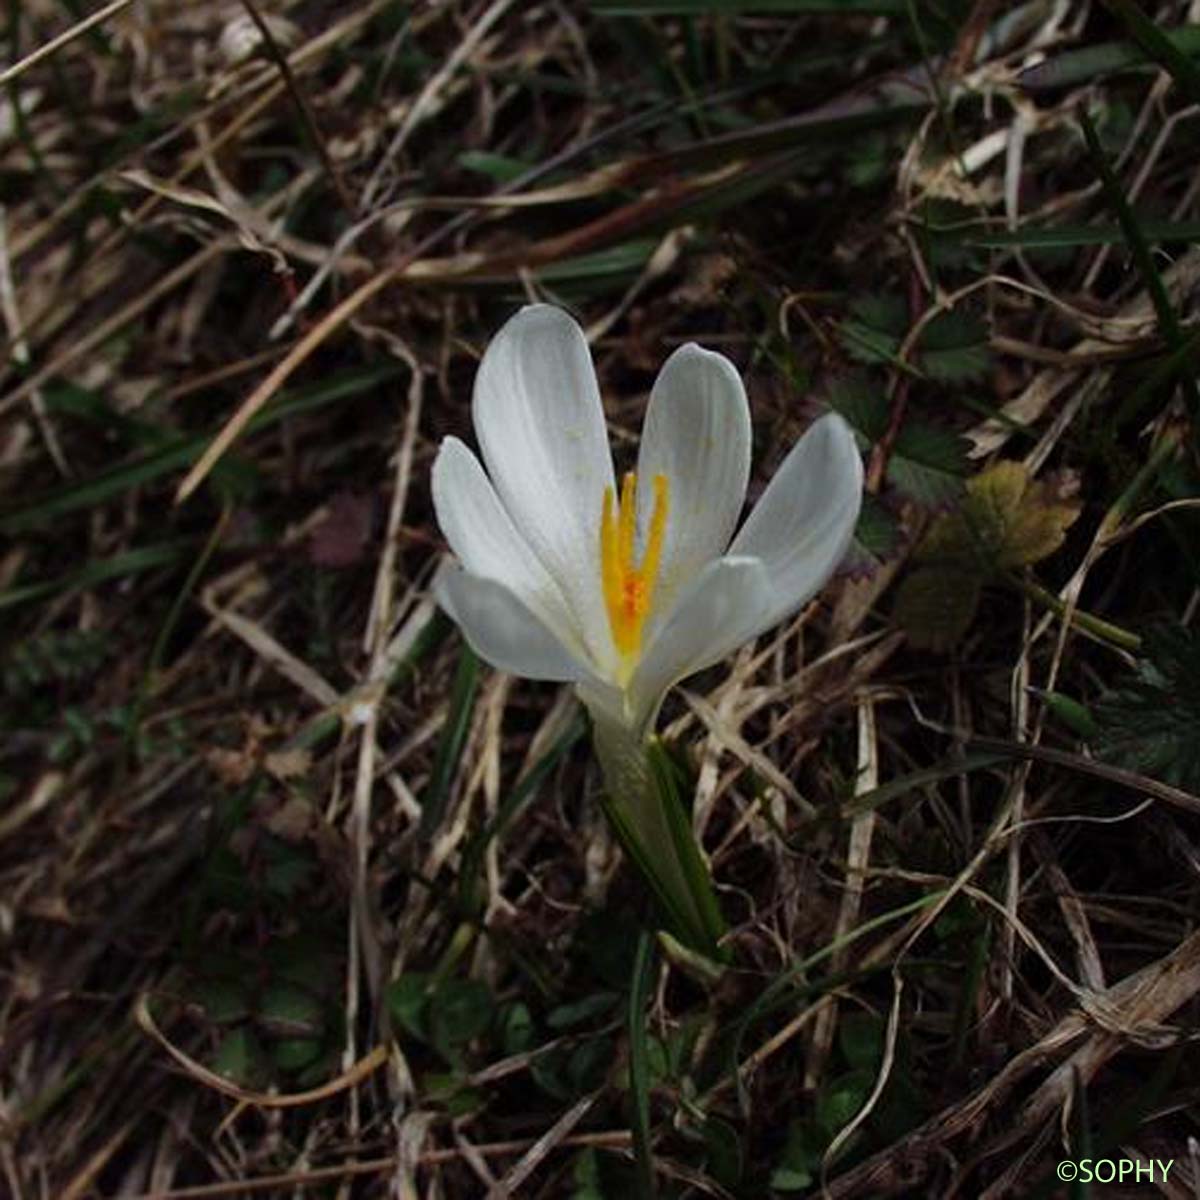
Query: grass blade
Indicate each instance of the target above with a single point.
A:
(639, 1063)
(131, 562)
(454, 736)
(1159, 47)
(1167, 321)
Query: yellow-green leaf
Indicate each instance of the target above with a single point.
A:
(1007, 520)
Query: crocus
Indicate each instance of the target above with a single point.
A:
(625, 590)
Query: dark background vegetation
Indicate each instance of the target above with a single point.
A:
(298, 898)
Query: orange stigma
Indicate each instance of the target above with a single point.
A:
(629, 589)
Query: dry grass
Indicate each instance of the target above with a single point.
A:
(296, 897)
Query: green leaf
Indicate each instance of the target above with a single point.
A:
(240, 1059)
(288, 868)
(407, 999)
(451, 1090)
(626, 258)
(860, 400)
(589, 1063)
(548, 1071)
(953, 348)
(289, 1011)
(927, 464)
(875, 329)
(1148, 722)
(840, 1100)
(517, 1030)
(800, 1161)
(666, 779)
(500, 168)
(1007, 520)
(582, 1011)
(461, 1011)
(1077, 717)
(877, 539)
(294, 1054)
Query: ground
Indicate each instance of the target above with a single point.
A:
(299, 897)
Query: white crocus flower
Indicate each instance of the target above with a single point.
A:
(625, 591)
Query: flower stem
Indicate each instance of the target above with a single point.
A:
(646, 812)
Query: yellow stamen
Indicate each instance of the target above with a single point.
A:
(629, 589)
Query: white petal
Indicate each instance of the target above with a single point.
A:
(802, 526)
(482, 535)
(727, 604)
(697, 433)
(541, 428)
(502, 630)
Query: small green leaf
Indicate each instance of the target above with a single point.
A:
(450, 1089)
(517, 1030)
(500, 168)
(294, 1054)
(839, 1101)
(548, 1070)
(800, 1160)
(860, 400)
(581, 1011)
(289, 1011)
(927, 464)
(240, 1059)
(589, 1064)
(407, 999)
(1148, 722)
(877, 538)
(1070, 712)
(461, 1010)
(1007, 520)
(874, 330)
(790, 1179)
(954, 348)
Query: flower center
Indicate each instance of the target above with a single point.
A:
(629, 589)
